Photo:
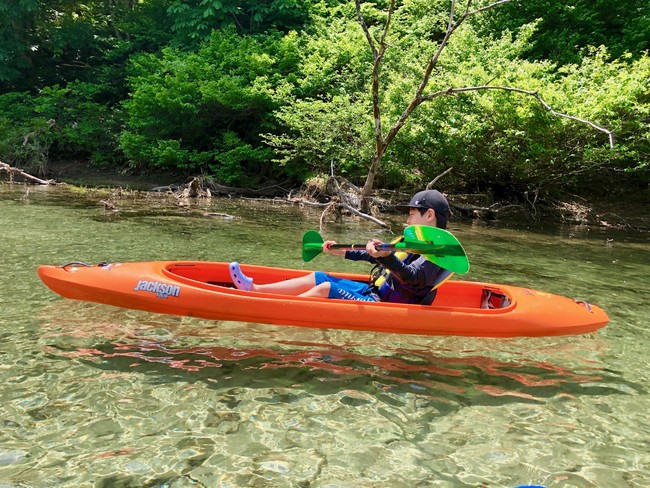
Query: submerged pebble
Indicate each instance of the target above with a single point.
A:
(11, 456)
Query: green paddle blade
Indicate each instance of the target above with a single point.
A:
(312, 245)
(438, 245)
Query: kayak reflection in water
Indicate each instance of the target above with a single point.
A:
(400, 277)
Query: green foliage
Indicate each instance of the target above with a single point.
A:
(26, 137)
(83, 127)
(59, 123)
(15, 21)
(616, 91)
(250, 91)
(329, 123)
(324, 135)
(235, 161)
(194, 20)
(507, 143)
(187, 110)
(568, 27)
(44, 43)
(334, 60)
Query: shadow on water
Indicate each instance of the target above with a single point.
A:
(445, 383)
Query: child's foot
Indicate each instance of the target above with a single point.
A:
(239, 279)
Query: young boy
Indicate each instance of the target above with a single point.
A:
(401, 277)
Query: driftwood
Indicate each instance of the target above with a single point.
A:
(341, 195)
(492, 212)
(365, 216)
(200, 187)
(219, 215)
(346, 197)
(109, 205)
(16, 172)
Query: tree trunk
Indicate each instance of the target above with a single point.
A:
(370, 179)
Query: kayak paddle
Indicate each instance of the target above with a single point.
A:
(437, 245)
(447, 252)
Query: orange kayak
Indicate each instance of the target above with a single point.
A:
(205, 290)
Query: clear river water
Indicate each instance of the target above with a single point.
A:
(96, 396)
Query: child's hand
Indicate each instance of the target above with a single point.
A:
(327, 248)
(371, 247)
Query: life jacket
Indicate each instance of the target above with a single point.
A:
(382, 281)
(381, 275)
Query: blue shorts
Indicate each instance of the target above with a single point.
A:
(343, 289)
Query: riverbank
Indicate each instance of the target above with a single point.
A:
(574, 210)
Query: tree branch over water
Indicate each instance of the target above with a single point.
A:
(534, 94)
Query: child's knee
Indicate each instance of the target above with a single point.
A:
(322, 290)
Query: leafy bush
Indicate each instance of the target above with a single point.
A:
(27, 138)
(194, 20)
(324, 136)
(204, 111)
(569, 28)
(84, 128)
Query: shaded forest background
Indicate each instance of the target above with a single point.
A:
(253, 93)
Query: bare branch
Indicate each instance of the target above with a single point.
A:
(381, 223)
(483, 9)
(433, 182)
(382, 42)
(418, 98)
(12, 172)
(76, 64)
(378, 55)
(534, 94)
(366, 31)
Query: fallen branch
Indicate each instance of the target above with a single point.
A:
(343, 197)
(109, 205)
(365, 216)
(219, 215)
(482, 212)
(13, 172)
(328, 210)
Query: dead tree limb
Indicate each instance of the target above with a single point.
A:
(13, 172)
(435, 180)
(365, 216)
(343, 200)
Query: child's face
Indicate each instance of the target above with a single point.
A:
(416, 218)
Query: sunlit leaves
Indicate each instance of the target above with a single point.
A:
(325, 134)
(205, 110)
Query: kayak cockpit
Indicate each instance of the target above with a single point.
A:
(451, 294)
